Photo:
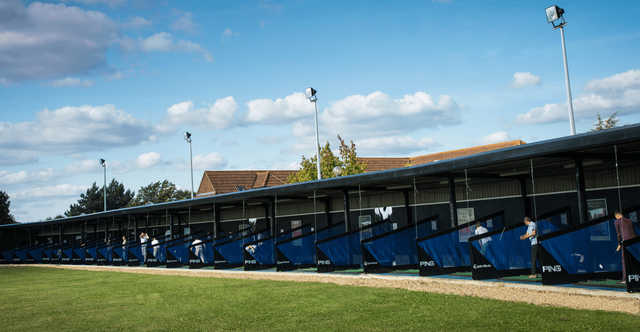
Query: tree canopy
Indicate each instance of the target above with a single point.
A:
(158, 192)
(92, 200)
(346, 164)
(5, 214)
(607, 123)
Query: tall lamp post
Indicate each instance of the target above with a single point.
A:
(187, 137)
(311, 95)
(103, 163)
(554, 16)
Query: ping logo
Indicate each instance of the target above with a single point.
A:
(370, 263)
(551, 268)
(481, 266)
(194, 261)
(250, 261)
(634, 277)
(324, 262)
(427, 263)
(283, 262)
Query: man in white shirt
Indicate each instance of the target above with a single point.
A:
(198, 250)
(143, 245)
(531, 234)
(154, 243)
(483, 241)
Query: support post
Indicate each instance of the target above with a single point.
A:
(583, 213)
(407, 207)
(526, 202)
(453, 211)
(347, 211)
(327, 211)
(216, 221)
(272, 211)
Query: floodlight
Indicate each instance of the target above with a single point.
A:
(554, 13)
(310, 92)
(187, 136)
(103, 162)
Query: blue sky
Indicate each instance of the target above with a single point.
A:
(123, 79)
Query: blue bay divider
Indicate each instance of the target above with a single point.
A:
(299, 251)
(501, 253)
(230, 253)
(260, 254)
(448, 251)
(344, 251)
(584, 252)
(201, 255)
(396, 250)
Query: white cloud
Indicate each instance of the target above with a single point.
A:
(148, 159)
(110, 3)
(219, 115)
(7, 178)
(56, 191)
(617, 93)
(44, 41)
(164, 42)
(393, 145)
(281, 110)
(209, 161)
(136, 23)
(71, 130)
(377, 114)
(523, 79)
(83, 166)
(184, 23)
(71, 81)
(497, 137)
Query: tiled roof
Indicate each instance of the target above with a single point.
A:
(220, 182)
(428, 158)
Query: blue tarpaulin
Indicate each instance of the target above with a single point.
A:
(300, 251)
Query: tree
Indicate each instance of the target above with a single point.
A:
(92, 200)
(5, 215)
(347, 163)
(610, 122)
(158, 192)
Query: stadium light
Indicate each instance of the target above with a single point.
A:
(311, 95)
(187, 137)
(103, 163)
(556, 18)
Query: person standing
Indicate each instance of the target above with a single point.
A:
(624, 230)
(531, 234)
(143, 245)
(484, 241)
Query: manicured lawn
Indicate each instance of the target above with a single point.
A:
(39, 299)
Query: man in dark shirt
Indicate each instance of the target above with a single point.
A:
(624, 229)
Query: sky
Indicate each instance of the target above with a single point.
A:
(124, 79)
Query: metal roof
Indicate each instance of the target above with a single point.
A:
(609, 137)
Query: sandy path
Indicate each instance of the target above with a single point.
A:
(577, 298)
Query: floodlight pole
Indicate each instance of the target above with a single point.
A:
(566, 79)
(314, 100)
(104, 188)
(187, 137)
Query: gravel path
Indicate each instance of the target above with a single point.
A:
(578, 298)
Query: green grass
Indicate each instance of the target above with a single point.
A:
(37, 299)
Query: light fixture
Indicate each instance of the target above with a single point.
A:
(311, 95)
(554, 13)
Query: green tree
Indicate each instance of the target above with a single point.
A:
(158, 192)
(346, 164)
(5, 215)
(610, 122)
(92, 200)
